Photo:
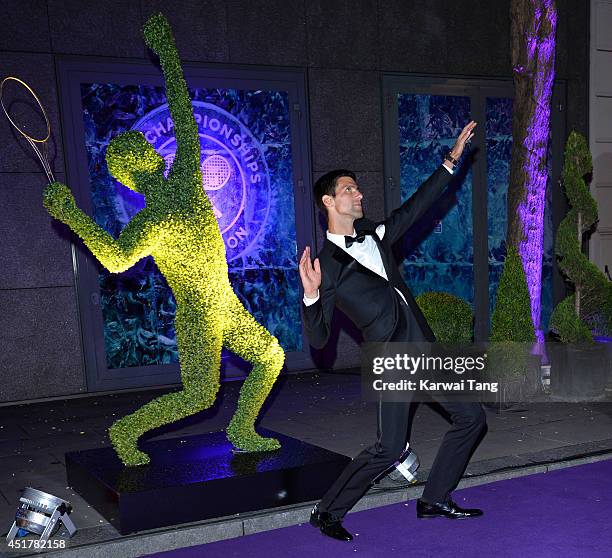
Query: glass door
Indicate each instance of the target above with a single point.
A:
(459, 247)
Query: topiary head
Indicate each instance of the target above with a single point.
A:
(131, 159)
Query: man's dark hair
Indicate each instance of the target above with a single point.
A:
(326, 186)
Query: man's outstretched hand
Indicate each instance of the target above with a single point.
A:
(466, 135)
(309, 274)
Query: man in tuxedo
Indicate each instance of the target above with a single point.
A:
(356, 272)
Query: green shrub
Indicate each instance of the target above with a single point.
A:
(511, 324)
(511, 320)
(449, 316)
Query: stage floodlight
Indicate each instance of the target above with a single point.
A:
(40, 513)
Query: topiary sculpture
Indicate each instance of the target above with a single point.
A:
(590, 307)
(512, 330)
(178, 228)
(511, 319)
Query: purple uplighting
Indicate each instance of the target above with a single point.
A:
(531, 209)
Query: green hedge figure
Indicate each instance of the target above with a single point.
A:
(178, 228)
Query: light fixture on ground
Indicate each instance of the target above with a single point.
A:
(408, 464)
(40, 513)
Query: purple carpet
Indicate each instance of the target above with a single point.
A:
(564, 513)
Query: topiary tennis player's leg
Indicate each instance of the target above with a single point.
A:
(199, 339)
(252, 342)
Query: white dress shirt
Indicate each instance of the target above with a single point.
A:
(366, 253)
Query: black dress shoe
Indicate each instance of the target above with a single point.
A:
(445, 509)
(328, 525)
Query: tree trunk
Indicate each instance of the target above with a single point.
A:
(533, 26)
(578, 289)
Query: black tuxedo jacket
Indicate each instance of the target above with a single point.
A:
(370, 301)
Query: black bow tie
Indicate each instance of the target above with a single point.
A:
(349, 240)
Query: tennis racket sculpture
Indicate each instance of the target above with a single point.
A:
(37, 142)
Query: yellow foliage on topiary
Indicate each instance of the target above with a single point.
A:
(178, 228)
(130, 153)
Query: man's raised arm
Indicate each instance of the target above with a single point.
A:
(158, 37)
(402, 218)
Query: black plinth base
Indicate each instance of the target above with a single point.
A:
(199, 477)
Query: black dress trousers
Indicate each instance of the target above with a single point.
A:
(468, 422)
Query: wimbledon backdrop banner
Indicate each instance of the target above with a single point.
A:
(247, 173)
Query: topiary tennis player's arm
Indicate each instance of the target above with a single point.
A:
(158, 36)
(135, 242)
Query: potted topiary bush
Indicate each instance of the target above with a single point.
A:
(512, 331)
(579, 366)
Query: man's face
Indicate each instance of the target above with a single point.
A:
(347, 201)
